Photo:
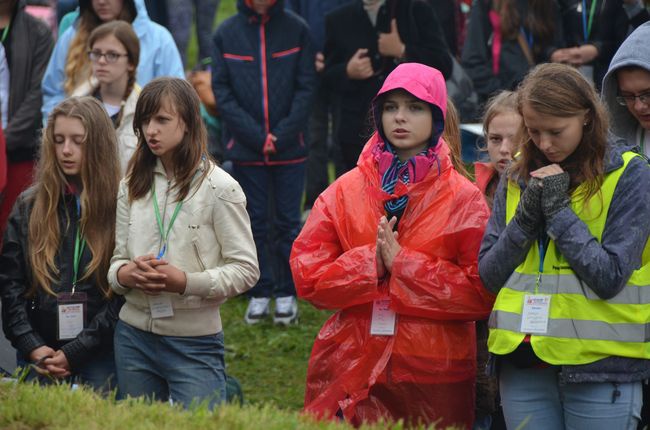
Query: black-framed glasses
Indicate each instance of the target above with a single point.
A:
(110, 57)
(629, 100)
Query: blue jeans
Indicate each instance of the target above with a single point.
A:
(536, 397)
(273, 195)
(185, 369)
(180, 24)
(98, 373)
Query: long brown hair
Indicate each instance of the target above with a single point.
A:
(124, 33)
(451, 135)
(560, 90)
(540, 20)
(100, 176)
(77, 64)
(188, 156)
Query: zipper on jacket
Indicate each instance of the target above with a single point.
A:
(198, 255)
(265, 83)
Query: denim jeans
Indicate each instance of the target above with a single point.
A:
(185, 369)
(275, 223)
(535, 396)
(180, 17)
(98, 373)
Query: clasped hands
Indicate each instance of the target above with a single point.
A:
(47, 361)
(387, 246)
(545, 195)
(152, 276)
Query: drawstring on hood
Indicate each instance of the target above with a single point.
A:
(428, 85)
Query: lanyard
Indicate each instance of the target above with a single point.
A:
(543, 246)
(528, 36)
(79, 244)
(586, 27)
(5, 32)
(161, 227)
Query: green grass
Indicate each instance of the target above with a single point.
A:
(270, 361)
(25, 406)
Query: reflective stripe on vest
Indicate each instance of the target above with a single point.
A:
(582, 327)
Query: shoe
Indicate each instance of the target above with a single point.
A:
(258, 309)
(286, 310)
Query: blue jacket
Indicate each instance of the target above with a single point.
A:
(314, 13)
(263, 78)
(158, 56)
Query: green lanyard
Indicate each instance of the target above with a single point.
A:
(79, 244)
(5, 32)
(586, 27)
(161, 227)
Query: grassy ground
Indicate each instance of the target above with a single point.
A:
(24, 406)
(270, 361)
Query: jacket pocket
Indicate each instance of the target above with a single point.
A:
(286, 52)
(197, 254)
(236, 57)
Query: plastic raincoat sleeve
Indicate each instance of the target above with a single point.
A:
(326, 272)
(445, 289)
(503, 247)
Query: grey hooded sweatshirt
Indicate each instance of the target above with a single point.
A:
(634, 51)
(604, 266)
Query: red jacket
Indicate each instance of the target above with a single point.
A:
(428, 367)
(483, 172)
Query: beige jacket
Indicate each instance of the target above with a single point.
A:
(211, 241)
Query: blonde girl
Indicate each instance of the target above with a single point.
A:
(58, 310)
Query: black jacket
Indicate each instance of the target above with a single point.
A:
(28, 46)
(263, 79)
(348, 29)
(29, 323)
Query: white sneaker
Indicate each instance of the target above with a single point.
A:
(286, 310)
(258, 309)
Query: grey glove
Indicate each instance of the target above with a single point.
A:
(555, 195)
(529, 211)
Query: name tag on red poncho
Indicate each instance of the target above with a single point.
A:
(383, 319)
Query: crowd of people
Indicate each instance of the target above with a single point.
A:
(136, 197)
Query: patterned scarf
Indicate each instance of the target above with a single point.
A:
(392, 170)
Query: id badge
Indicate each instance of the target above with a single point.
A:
(383, 318)
(534, 318)
(71, 310)
(161, 306)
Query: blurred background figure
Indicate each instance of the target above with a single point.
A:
(180, 24)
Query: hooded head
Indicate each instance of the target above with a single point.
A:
(422, 82)
(633, 54)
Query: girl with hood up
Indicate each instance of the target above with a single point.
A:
(392, 245)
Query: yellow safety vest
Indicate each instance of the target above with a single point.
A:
(582, 328)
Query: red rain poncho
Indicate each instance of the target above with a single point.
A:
(426, 371)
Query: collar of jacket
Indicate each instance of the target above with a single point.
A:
(253, 17)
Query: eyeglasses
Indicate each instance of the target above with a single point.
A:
(111, 57)
(629, 100)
